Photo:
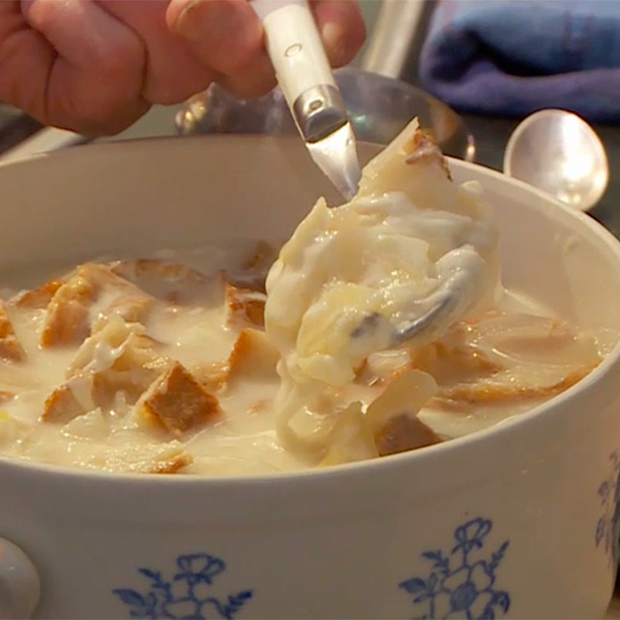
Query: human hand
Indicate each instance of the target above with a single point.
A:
(96, 66)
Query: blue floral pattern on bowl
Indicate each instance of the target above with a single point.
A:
(188, 594)
(461, 581)
(607, 527)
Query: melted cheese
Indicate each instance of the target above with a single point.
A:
(350, 277)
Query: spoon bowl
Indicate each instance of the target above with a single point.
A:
(558, 152)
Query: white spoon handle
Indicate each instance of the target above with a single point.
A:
(294, 46)
(301, 65)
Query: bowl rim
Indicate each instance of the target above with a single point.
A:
(348, 470)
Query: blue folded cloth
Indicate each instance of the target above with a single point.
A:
(513, 57)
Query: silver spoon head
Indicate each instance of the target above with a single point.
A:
(559, 153)
(336, 156)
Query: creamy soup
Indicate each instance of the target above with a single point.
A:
(256, 358)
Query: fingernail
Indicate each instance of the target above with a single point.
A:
(204, 19)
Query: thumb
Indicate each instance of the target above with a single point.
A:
(225, 34)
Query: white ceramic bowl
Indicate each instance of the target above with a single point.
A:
(515, 522)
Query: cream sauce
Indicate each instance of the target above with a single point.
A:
(195, 334)
(243, 442)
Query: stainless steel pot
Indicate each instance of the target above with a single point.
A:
(378, 106)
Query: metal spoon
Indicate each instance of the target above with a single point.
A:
(450, 303)
(558, 152)
(304, 74)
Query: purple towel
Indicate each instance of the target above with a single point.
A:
(514, 57)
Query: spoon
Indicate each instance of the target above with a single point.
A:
(450, 302)
(304, 74)
(558, 152)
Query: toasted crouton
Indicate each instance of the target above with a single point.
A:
(245, 306)
(392, 416)
(120, 339)
(453, 359)
(66, 321)
(171, 464)
(10, 348)
(68, 316)
(213, 377)
(422, 146)
(177, 402)
(132, 307)
(253, 271)
(62, 405)
(404, 432)
(253, 356)
(165, 280)
(466, 397)
(132, 362)
(37, 298)
(156, 271)
(261, 258)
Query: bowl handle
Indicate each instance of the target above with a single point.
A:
(19, 583)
